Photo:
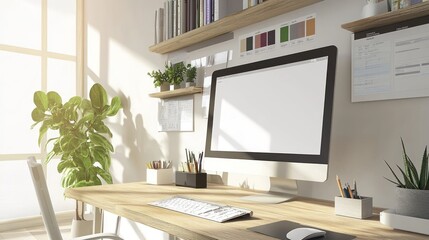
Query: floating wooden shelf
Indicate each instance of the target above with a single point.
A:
(258, 13)
(415, 11)
(177, 93)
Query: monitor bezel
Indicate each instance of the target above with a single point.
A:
(323, 157)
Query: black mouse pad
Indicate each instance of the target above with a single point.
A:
(280, 229)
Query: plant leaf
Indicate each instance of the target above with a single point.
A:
(101, 155)
(54, 99)
(98, 96)
(397, 184)
(86, 105)
(100, 127)
(424, 171)
(105, 175)
(410, 169)
(84, 183)
(114, 106)
(394, 174)
(408, 182)
(42, 131)
(99, 140)
(87, 117)
(37, 115)
(41, 100)
(65, 164)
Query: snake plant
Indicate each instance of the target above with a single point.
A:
(411, 177)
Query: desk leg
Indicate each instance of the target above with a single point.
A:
(98, 220)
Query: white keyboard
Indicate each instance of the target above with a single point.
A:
(211, 211)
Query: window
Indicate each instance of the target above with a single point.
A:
(40, 49)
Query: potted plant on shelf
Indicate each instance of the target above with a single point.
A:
(83, 141)
(175, 74)
(160, 79)
(412, 194)
(191, 73)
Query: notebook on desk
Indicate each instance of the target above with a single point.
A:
(280, 229)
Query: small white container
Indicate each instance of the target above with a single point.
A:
(159, 176)
(374, 8)
(355, 208)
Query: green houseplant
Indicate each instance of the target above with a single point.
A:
(160, 79)
(191, 74)
(83, 141)
(412, 193)
(175, 74)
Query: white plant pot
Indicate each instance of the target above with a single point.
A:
(412, 202)
(81, 228)
(189, 84)
(174, 87)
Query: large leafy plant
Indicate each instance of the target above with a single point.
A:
(412, 179)
(83, 142)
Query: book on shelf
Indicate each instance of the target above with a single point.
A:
(174, 18)
(202, 7)
(251, 3)
(159, 25)
(224, 8)
(183, 16)
(180, 16)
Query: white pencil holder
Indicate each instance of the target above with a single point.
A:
(159, 176)
(355, 208)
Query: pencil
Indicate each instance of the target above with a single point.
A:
(339, 186)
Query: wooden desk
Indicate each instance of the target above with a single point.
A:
(130, 201)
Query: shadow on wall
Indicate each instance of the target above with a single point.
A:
(117, 48)
(135, 142)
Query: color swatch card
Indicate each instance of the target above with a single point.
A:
(298, 31)
(294, 32)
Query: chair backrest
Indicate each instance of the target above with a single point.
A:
(45, 203)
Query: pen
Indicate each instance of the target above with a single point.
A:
(356, 195)
(200, 161)
(350, 191)
(339, 186)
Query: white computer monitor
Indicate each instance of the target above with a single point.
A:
(273, 117)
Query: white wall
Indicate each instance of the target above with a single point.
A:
(363, 134)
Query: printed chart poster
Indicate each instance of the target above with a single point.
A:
(176, 114)
(391, 62)
(297, 31)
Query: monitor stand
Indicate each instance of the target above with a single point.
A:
(281, 190)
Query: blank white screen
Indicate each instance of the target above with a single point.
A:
(273, 110)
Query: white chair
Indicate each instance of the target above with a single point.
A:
(45, 203)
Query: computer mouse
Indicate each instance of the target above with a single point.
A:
(305, 233)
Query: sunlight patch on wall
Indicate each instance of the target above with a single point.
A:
(93, 49)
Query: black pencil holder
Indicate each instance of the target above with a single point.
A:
(193, 180)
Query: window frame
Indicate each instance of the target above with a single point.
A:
(45, 55)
